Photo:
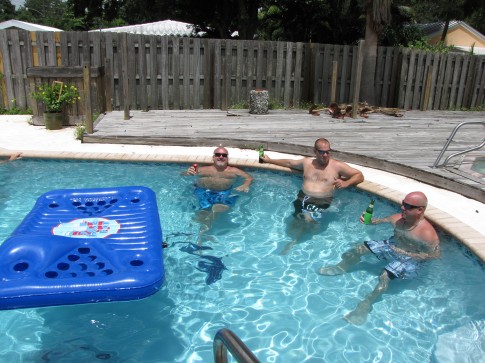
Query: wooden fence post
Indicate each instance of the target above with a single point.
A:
(108, 76)
(358, 76)
(124, 75)
(333, 91)
(427, 90)
(88, 113)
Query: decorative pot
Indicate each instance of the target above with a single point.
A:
(53, 120)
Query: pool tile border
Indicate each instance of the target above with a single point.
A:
(471, 238)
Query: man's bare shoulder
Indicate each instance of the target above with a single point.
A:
(427, 232)
(307, 162)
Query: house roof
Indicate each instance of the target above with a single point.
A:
(164, 27)
(433, 29)
(17, 24)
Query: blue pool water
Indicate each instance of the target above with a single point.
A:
(479, 165)
(279, 306)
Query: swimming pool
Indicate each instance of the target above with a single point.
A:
(279, 306)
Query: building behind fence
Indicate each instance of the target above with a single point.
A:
(159, 72)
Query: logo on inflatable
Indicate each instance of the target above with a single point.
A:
(87, 228)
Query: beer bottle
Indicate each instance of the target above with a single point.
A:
(261, 153)
(368, 212)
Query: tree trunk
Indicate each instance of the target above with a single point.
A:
(367, 86)
(445, 30)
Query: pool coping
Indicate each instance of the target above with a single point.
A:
(471, 238)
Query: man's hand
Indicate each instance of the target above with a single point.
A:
(191, 171)
(265, 158)
(242, 188)
(338, 183)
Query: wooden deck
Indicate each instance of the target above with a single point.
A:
(407, 145)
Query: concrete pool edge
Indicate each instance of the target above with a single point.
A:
(470, 237)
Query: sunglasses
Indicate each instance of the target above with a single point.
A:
(219, 155)
(408, 206)
(323, 152)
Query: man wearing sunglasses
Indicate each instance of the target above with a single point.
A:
(414, 240)
(214, 188)
(322, 175)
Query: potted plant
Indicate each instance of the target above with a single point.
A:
(55, 96)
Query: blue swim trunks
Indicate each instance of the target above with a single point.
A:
(403, 267)
(207, 197)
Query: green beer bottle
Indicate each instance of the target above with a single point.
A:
(368, 212)
(261, 153)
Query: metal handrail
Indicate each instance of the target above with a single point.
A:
(227, 340)
(445, 147)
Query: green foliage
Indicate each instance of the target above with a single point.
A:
(274, 104)
(7, 10)
(14, 109)
(401, 35)
(79, 131)
(240, 106)
(56, 95)
(54, 13)
(332, 22)
(439, 47)
(480, 108)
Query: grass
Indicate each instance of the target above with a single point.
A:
(15, 111)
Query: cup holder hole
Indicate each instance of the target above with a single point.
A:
(63, 266)
(51, 274)
(21, 266)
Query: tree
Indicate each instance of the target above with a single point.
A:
(332, 21)
(7, 10)
(220, 18)
(378, 15)
(55, 13)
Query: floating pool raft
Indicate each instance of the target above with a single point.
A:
(84, 246)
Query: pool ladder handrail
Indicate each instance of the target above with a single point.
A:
(450, 139)
(226, 340)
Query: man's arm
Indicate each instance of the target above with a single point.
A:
(351, 176)
(287, 163)
(248, 179)
(389, 219)
(11, 158)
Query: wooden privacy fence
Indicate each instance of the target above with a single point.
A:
(155, 72)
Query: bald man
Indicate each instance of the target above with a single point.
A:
(215, 183)
(414, 240)
(214, 187)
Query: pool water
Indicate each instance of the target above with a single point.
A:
(277, 304)
(479, 165)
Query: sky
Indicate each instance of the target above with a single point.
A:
(17, 3)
